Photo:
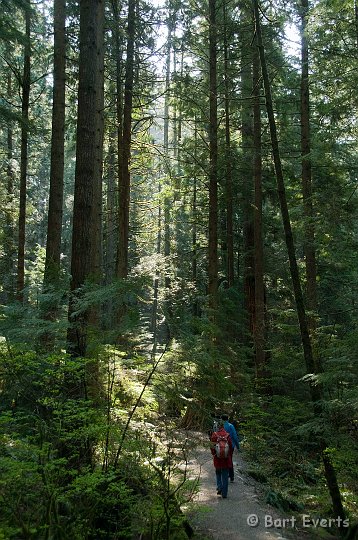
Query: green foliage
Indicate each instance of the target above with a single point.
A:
(283, 437)
(284, 504)
(52, 445)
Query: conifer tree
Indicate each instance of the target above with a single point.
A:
(124, 172)
(55, 211)
(316, 392)
(25, 98)
(85, 236)
(213, 159)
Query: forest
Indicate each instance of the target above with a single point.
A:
(178, 238)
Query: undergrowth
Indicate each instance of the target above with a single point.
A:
(67, 472)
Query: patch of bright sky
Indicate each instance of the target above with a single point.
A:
(292, 43)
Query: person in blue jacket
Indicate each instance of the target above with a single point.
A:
(230, 428)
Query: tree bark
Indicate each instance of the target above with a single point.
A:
(228, 163)
(247, 177)
(213, 152)
(194, 238)
(55, 210)
(111, 215)
(167, 170)
(259, 323)
(85, 233)
(309, 231)
(9, 238)
(124, 173)
(332, 484)
(98, 171)
(154, 315)
(26, 82)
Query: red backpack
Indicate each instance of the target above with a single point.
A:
(222, 447)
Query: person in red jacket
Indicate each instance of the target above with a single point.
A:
(221, 449)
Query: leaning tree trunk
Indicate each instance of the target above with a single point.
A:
(306, 342)
(330, 473)
(26, 82)
(213, 153)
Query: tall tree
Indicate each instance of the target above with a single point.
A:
(85, 223)
(213, 158)
(228, 159)
(259, 321)
(167, 158)
(98, 212)
(247, 171)
(55, 210)
(25, 96)
(309, 231)
(316, 395)
(9, 238)
(124, 172)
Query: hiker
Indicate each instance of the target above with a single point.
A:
(230, 428)
(221, 450)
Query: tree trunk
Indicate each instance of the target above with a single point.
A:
(247, 176)
(124, 173)
(85, 210)
(194, 264)
(332, 484)
(111, 220)
(306, 342)
(118, 46)
(154, 315)
(228, 164)
(55, 210)
(26, 82)
(98, 181)
(213, 151)
(259, 323)
(309, 232)
(9, 238)
(167, 170)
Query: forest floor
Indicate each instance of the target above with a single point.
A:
(215, 518)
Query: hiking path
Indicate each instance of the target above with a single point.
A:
(244, 515)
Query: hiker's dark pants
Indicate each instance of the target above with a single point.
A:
(222, 481)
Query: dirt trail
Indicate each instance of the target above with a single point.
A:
(229, 519)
